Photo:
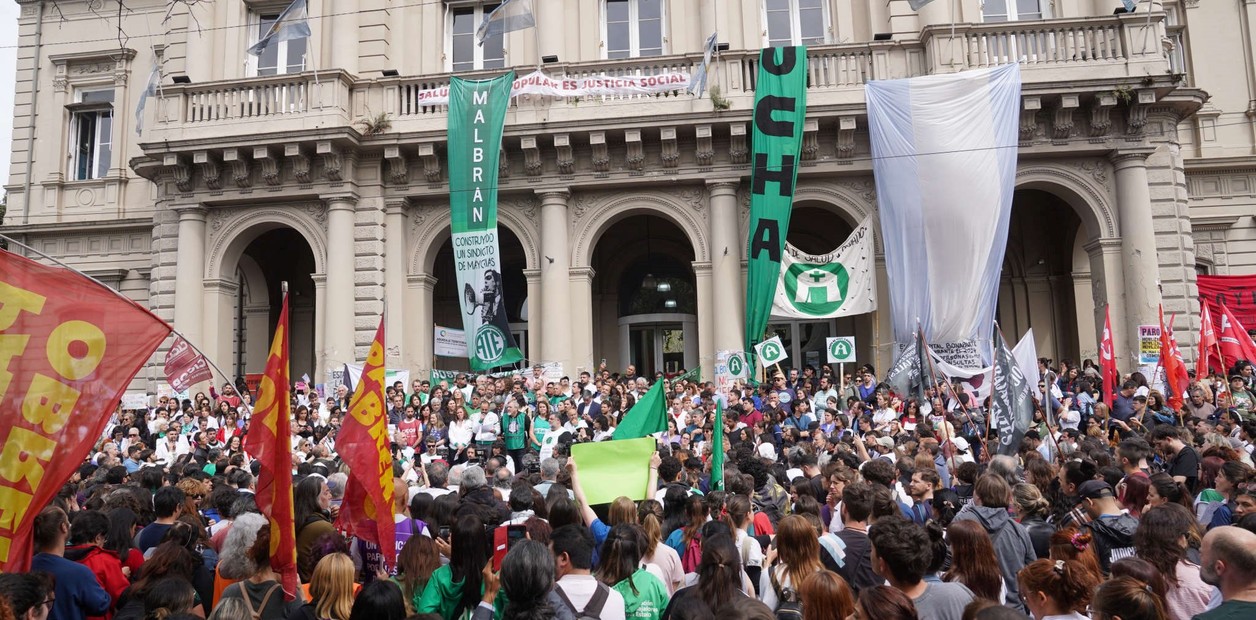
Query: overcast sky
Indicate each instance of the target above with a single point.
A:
(8, 67)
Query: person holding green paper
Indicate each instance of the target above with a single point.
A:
(599, 529)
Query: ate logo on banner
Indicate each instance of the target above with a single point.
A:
(736, 365)
(490, 343)
(772, 353)
(816, 289)
(842, 350)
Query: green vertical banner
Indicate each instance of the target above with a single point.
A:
(477, 114)
(780, 107)
(717, 448)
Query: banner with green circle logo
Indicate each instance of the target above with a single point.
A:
(477, 115)
(840, 283)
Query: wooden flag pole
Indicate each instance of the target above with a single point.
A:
(933, 374)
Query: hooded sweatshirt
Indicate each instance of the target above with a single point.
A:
(1011, 545)
(1113, 538)
(105, 565)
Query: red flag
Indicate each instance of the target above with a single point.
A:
(68, 349)
(185, 366)
(1235, 343)
(1207, 343)
(1176, 380)
(1107, 359)
(269, 440)
(367, 510)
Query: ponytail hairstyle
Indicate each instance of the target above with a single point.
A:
(169, 597)
(1072, 543)
(737, 511)
(620, 555)
(719, 572)
(1128, 598)
(650, 514)
(1067, 582)
(696, 513)
(1171, 490)
(1029, 501)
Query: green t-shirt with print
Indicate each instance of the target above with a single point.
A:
(649, 599)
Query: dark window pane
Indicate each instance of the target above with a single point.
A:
(650, 35)
(464, 21)
(778, 26)
(464, 49)
(649, 9)
(617, 39)
(617, 10)
(296, 54)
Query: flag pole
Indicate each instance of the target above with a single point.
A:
(933, 374)
(119, 294)
(1058, 453)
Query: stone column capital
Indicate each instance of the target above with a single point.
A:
(1108, 245)
(723, 187)
(343, 200)
(191, 212)
(532, 275)
(553, 195)
(421, 280)
(396, 205)
(701, 268)
(320, 279)
(1127, 158)
(580, 274)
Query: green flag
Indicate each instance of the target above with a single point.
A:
(692, 375)
(646, 417)
(780, 109)
(477, 114)
(717, 449)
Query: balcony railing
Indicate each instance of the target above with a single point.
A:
(1049, 51)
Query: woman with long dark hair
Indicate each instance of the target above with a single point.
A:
(171, 598)
(1128, 599)
(419, 558)
(1162, 538)
(1163, 489)
(379, 600)
(645, 596)
(719, 578)
(123, 526)
(973, 561)
(312, 516)
(456, 587)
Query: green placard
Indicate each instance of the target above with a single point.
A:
(609, 469)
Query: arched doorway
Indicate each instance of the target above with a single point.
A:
(446, 304)
(815, 228)
(275, 256)
(645, 305)
(1042, 269)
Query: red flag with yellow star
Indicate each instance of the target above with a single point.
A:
(269, 440)
(367, 510)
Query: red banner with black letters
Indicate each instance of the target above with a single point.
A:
(1238, 293)
(68, 349)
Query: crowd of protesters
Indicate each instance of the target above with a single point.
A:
(840, 499)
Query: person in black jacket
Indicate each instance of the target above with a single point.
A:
(1111, 527)
(855, 566)
(478, 498)
(1032, 510)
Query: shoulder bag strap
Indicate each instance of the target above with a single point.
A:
(594, 608)
(265, 599)
(566, 601)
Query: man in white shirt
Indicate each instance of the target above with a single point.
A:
(573, 553)
(821, 399)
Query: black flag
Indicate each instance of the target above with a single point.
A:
(1011, 402)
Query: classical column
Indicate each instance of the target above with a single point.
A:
(189, 286)
(218, 305)
(551, 34)
(728, 317)
(581, 320)
(395, 278)
(320, 333)
(1106, 260)
(338, 338)
(1141, 270)
(706, 312)
(533, 276)
(555, 280)
(418, 341)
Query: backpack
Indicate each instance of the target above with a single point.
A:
(789, 606)
(693, 555)
(256, 614)
(592, 611)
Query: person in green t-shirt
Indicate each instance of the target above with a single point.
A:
(515, 431)
(645, 595)
(539, 425)
(1228, 561)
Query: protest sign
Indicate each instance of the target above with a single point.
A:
(609, 469)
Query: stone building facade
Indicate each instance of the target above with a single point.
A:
(623, 219)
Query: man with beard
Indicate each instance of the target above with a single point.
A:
(1228, 561)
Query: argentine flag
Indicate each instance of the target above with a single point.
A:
(509, 16)
(291, 24)
(150, 88)
(944, 160)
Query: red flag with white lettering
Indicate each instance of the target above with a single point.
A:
(1209, 355)
(68, 349)
(185, 366)
(1235, 343)
(1107, 359)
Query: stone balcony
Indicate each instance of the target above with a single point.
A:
(1094, 65)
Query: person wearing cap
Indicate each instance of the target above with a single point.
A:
(884, 447)
(962, 452)
(1111, 528)
(1241, 397)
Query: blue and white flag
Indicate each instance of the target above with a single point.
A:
(291, 24)
(916, 4)
(150, 88)
(697, 85)
(944, 158)
(509, 16)
(1130, 5)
